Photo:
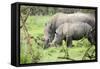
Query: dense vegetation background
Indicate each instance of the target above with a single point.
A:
(32, 23)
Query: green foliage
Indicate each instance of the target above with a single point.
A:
(40, 10)
(36, 53)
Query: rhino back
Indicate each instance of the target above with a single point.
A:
(76, 17)
(76, 30)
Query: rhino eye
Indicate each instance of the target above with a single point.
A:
(56, 33)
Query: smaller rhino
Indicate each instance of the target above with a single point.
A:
(73, 31)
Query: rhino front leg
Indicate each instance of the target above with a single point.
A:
(69, 42)
(46, 44)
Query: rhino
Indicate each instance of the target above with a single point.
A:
(73, 31)
(61, 18)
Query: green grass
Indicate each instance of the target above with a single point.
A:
(36, 53)
(36, 24)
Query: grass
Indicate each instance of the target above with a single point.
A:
(36, 53)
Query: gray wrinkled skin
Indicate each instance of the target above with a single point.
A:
(60, 18)
(73, 31)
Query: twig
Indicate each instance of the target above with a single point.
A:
(86, 53)
(24, 20)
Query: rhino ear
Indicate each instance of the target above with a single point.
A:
(51, 26)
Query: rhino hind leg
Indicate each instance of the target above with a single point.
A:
(91, 39)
